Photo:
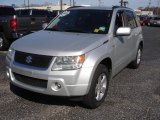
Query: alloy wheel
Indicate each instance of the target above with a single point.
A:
(101, 87)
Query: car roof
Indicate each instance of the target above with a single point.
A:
(3, 6)
(90, 8)
(98, 8)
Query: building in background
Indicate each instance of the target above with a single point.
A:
(47, 7)
(142, 12)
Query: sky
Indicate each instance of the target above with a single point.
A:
(132, 3)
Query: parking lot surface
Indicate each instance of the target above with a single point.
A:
(132, 95)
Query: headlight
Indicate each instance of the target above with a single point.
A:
(68, 63)
(10, 54)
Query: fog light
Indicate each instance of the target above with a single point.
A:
(7, 73)
(56, 86)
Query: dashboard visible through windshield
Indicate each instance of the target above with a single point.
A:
(82, 21)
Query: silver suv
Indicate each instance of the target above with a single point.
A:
(78, 53)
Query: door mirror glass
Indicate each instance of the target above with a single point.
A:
(123, 31)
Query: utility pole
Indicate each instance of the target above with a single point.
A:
(24, 4)
(125, 3)
(121, 2)
(149, 5)
(158, 7)
(61, 5)
(70, 2)
(28, 4)
(73, 3)
(100, 2)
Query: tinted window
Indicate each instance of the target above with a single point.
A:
(156, 18)
(119, 20)
(39, 12)
(87, 21)
(130, 19)
(55, 13)
(4, 11)
(23, 12)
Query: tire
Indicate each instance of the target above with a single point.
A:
(135, 63)
(96, 94)
(4, 44)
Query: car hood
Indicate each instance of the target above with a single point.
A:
(58, 43)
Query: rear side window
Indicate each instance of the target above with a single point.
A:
(39, 12)
(130, 19)
(23, 12)
(156, 18)
(5, 11)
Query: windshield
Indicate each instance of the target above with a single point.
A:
(82, 21)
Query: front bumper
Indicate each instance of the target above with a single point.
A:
(72, 83)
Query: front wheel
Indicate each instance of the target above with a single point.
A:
(98, 89)
(135, 64)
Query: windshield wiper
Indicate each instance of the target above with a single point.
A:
(67, 30)
(51, 29)
(75, 30)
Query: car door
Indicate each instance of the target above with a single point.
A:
(121, 43)
(135, 31)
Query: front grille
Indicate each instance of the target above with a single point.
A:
(31, 81)
(35, 60)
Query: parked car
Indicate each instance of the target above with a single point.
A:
(155, 21)
(32, 19)
(78, 53)
(144, 20)
(8, 26)
(15, 24)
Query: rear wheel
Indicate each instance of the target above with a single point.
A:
(99, 88)
(135, 64)
(3, 42)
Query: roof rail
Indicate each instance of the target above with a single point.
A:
(114, 7)
(75, 7)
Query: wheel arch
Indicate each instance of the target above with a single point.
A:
(108, 63)
(1, 29)
(105, 61)
(141, 44)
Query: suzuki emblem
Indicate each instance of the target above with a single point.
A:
(28, 59)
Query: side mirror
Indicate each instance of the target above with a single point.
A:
(123, 31)
(44, 25)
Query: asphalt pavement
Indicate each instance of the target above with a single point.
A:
(132, 95)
